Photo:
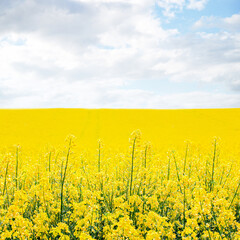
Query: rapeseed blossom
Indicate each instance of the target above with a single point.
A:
(184, 201)
(139, 190)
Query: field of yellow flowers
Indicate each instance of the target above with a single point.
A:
(120, 174)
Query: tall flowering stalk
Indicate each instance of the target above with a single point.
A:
(63, 177)
(135, 139)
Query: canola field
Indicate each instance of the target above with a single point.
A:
(120, 174)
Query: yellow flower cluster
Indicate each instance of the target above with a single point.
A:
(140, 193)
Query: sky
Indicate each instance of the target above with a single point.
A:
(161, 54)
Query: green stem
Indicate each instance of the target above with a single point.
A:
(227, 176)
(184, 206)
(213, 166)
(49, 162)
(185, 160)
(177, 169)
(169, 162)
(99, 157)
(5, 179)
(145, 157)
(132, 166)
(16, 177)
(235, 194)
(63, 177)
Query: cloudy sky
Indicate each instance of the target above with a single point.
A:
(119, 53)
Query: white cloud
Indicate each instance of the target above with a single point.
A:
(85, 54)
(197, 4)
(171, 7)
(231, 23)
